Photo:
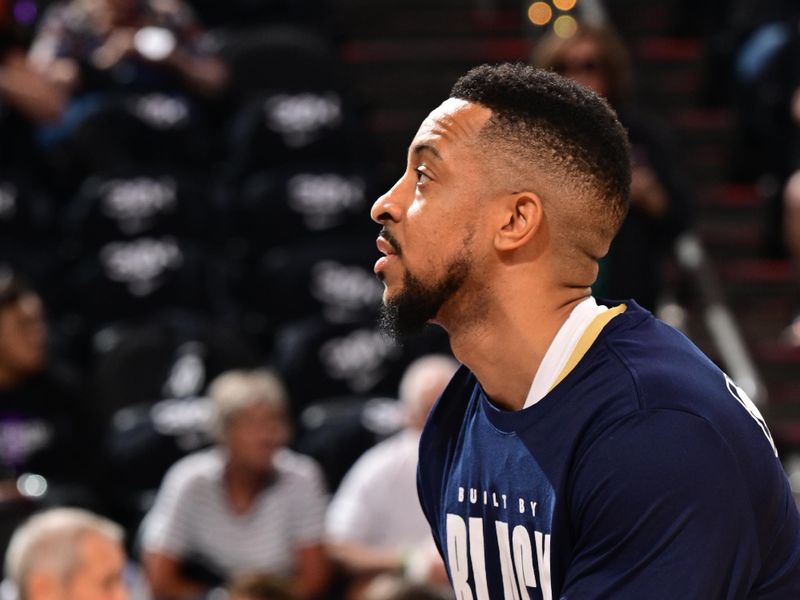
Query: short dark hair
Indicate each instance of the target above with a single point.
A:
(563, 131)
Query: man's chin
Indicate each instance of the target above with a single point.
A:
(398, 322)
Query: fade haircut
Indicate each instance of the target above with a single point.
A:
(561, 137)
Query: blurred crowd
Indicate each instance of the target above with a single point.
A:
(188, 339)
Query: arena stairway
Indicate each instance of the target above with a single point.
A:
(730, 219)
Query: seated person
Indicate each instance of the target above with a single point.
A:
(45, 428)
(375, 524)
(660, 196)
(249, 504)
(791, 230)
(67, 553)
(27, 99)
(122, 64)
(96, 44)
(24, 89)
(791, 225)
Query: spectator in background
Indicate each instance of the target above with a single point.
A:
(375, 524)
(660, 197)
(791, 227)
(67, 554)
(137, 45)
(121, 63)
(24, 89)
(791, 190)
(27, 99)
(45, 428)
(248, 505)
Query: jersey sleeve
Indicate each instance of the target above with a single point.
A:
(660, 511)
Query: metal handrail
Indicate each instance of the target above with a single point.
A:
(719, 320)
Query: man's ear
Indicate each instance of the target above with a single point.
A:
(521, 217)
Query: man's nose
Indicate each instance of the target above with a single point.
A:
(388, 207)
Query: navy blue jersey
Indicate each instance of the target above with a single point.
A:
(646, 473)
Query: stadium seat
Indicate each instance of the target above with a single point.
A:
(336, 431)
(330, 276)
(150, 381)
(128, 279)
(282, 206)
(318, 359)
(152, 202)
(27, 219)
(133, 131)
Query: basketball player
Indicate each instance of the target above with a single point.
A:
(585, 450)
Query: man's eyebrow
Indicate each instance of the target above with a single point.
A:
(423, 147)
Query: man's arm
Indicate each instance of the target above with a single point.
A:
(166, 537)
(661, 511)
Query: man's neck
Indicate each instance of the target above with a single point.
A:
(505, 349)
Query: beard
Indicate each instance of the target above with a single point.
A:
(418, 303)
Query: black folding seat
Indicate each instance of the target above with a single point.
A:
(284, 127)
(27, 240)
(336, 431)
(245, 14)
(331, 277)
(152, 202)
(284, 206)
(128, 279)
(134, 131)
(150, 381)
(282, 56)
(319, 359)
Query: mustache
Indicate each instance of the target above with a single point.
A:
(386, 234)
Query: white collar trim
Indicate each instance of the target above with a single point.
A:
(562, 347)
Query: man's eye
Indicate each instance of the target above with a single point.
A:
(422, 177)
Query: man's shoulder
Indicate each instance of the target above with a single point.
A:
(664, 367)
(203, 467)
(671, 381)
(298, 469)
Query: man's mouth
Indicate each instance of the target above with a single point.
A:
(385, 246)
(390, 249)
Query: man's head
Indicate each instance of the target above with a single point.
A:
(252, 419)
(67, 554)
(23, 331)
(423, 382)
(519, 174)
